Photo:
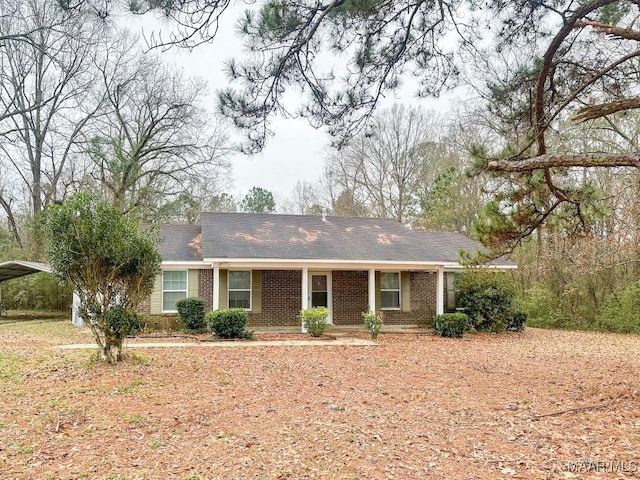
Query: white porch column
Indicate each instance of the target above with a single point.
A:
(440, 292)
(372, 290)
(216, 286)
(305, 293)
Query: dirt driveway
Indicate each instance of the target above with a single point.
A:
(543, 404)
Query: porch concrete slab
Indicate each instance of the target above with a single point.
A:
(360, 342)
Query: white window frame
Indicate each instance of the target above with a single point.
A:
(186, 288)
(250, 289)
(399, 290)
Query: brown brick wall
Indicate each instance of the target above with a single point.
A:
(205, 288)
(281, 300)
(350, 296)
(423, 301)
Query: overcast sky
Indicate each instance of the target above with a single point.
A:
(296, 151)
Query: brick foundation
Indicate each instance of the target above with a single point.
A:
(165, 322)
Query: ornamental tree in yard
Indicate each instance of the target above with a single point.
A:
(110, 262)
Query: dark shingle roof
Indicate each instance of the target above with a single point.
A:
(180, 243)
(298, 237)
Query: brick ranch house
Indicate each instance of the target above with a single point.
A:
(275, 265)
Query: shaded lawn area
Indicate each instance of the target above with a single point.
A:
(414, 406)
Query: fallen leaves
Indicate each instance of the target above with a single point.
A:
(414, 406)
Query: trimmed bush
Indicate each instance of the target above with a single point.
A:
(314, 320)
(373, 323)
(487, 297)
(228, 323)
(123, 320)
(191, 312)
(452, 325)
(515, 321)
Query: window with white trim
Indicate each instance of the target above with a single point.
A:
(174, 287)
(390, 290)
(240, 289)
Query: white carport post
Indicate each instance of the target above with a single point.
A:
(75, 314)
(305, 294)
(372, 290)
(216, 286)
(440, 292)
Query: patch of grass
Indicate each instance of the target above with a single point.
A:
(10, 366)
(85, 389)
(138, 418)
(117, 476)
(127, 389)
(139, 359)
(58, 329)
(25, 449)
(131, 388)
(222, 435)
(55, 402)
(157, 444)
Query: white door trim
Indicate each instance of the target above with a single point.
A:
(329, 291)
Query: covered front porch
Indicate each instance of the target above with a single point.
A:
(274, 293)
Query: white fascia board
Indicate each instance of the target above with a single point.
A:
(457, 266)
(173, 265)
(280, 263)
(321, 264)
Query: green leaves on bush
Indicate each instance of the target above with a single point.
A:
(452, 325)
(622, 312)
(228, 323)
(122, 320)
(110, 261)
(314, 320)
(515, 322)
(191, 312)
(373, 322)
(487, 297)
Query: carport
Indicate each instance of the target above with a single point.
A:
(20, 268)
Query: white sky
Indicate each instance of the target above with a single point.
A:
(296, 151)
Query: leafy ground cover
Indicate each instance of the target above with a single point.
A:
(540, 404)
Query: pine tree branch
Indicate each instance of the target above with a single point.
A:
(611, 30)
(588, 160)
(592, 112)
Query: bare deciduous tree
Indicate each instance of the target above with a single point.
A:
(154, 142)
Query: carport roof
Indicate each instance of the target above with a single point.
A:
(20, 268)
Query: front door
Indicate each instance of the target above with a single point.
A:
(320, 291)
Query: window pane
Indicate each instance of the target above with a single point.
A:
(169, 299)
(390, 299)
(318, 283)
(240, 299)
(389, 280)
(240, 280)
(174, 280)
(319, 299)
